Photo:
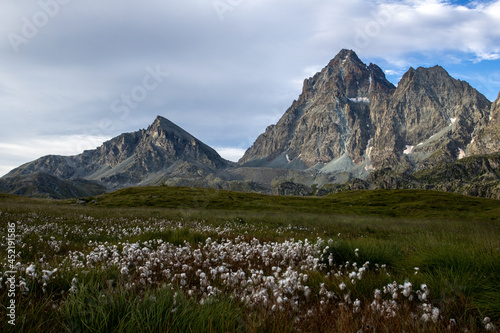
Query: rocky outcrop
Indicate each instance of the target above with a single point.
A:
(486, 139)
(291, 188)
(475, 176)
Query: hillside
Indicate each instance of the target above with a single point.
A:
(388, 203)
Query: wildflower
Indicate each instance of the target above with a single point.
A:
(452, 324)
(307, 292)
(47, 274)
(342, 286)
(30, 270)
(435, 315)
(488, 325)
(378, 294)
(23, 287)
(330, 259)
(407, 289)
(356, 306)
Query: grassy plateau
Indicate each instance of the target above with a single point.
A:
(178, 259)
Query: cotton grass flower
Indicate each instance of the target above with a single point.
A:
(488, 325)
(30, 270)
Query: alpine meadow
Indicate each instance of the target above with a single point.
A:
(177, 259)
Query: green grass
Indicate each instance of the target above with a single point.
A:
(453, 239)
(94, 310)
(384, 203)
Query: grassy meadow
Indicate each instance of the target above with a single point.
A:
(174, 259)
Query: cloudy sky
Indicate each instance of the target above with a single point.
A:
(74, 73)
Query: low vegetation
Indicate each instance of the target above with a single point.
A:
(173, 259)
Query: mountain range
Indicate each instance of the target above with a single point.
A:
(350, 128)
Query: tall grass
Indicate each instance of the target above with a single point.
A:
(92, 309)
(452, 240)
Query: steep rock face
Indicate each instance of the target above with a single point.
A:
(131, 158)
(431, 117)
(487, 137)
(331, 117)
(349, 117)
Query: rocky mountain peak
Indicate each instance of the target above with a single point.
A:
(141, 157)
(429, 119)
(422, 78)
(330, 118)
(164, 128)
(347, 76)
(346, 58)
(167, 126)
(350, 117)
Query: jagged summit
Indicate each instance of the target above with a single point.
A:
(347, 76)
(330, 118)
(162, 123)
(350, 118)
(346, 56)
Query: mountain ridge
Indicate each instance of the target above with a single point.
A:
(349, 108)
(349, 126)
(132, 158)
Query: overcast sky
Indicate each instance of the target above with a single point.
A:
(74, 73)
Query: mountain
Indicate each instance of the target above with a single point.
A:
(43, 185)
(433, 118)
(349, 118)
(331, 118)
(144, 157)
(350, 128)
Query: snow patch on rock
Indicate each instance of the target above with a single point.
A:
(360, 100)
(461, 153)
(408, 150)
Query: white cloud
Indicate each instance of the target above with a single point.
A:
(401, 27)
(5, 169)
(229, 79)
(231, 154)
(57, 145)
(28, 149)
(488, 56)
(392, 72)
